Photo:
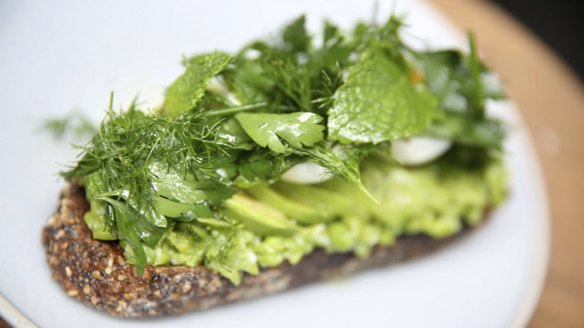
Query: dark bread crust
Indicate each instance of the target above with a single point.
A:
(97, 273)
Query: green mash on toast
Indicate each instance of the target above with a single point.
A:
(339, 140)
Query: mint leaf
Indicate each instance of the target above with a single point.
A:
(297, 129)
(378, 103)
(186, 91)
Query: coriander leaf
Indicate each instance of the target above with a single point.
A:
(378, 103)
(295, 37)
(297, 129)
(186, 91)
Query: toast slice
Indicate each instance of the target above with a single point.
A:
(96, 272)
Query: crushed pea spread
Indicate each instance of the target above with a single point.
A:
(199, 181)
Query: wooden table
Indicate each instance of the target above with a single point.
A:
(551, 99)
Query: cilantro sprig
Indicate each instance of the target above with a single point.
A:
(297, 129)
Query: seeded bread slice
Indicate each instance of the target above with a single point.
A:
(97, 273)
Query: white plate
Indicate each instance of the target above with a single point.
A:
(60, 55)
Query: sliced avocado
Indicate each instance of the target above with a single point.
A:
(326, 201)
(214, 223)
(293, 209)
(95, 218)
(257, 217)
(173, 209)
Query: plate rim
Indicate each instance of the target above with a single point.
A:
(12, 315)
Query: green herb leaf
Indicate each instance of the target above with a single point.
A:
(250, 84)
(186, 91)
(133, 230)
(477, 96)
(465, 131)
(297, 129)
(379, 103)
(460, 82)
(187, 189)
(146, 173)
(292, 82)
(295, 37)
(335, 50)
(75, 124)
(445, 73)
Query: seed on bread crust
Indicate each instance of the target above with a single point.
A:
(96, 272)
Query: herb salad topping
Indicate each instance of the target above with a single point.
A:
(231, 125)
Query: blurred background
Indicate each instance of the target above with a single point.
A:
(558, 23)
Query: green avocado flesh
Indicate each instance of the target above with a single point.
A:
(263, 226)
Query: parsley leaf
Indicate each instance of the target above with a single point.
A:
(297, 129)
(186, 91)
(378, 103)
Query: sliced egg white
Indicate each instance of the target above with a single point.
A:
(217, 86)
(418, 150)
(306, 173)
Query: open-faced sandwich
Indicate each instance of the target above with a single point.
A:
(292, 161)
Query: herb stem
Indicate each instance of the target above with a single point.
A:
(228, 111)
(478, 100)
